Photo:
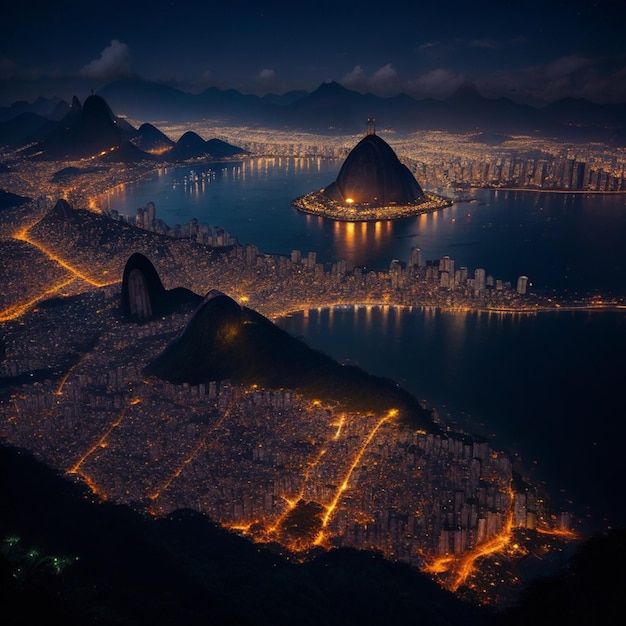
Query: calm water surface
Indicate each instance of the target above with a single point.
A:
(563, 242)
(548, 387)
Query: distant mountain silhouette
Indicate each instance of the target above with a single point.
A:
(148, 101)
(128, 152)
(192, 146)
(22, 123)
(150, 139)
(224, 341)
(23, 127)
(587, 116)
(329, 107)
(467, 110)
(45, 107)
(332, 108)
(85, 131)
(221, 149)
(92, 130)
(286, 98)
(189, 146)
(228, 104)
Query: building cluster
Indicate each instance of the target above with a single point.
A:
(441, 160)
(523, 171)
(272, 284)
(246, 456)
(306, 284)
(145, 218)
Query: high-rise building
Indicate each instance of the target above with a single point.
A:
(522, 285)
(415, 258)
(395, 272)
(479, 281)
(151, 214)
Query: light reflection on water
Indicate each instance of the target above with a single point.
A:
(545, 386)
(563, 242)
(548, 385)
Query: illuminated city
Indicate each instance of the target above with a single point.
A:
(332, 466)
(278, 347)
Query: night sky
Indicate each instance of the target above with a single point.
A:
(533, 52)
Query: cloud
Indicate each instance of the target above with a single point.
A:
(382, 82)
(568, 76)
(438, 83)
(567, 66)
(114, 62)
(355, 78)
(266, 76)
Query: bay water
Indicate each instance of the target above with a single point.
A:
(547, 387)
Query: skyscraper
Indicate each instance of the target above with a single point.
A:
(522, 284)
(479, 281)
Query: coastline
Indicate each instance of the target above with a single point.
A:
(585, 308)
(315, 203)
(560, 191)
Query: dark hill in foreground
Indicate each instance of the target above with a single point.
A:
(67, 559)
(226, 341)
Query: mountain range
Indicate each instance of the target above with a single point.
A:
(332, 108)
(91, 129)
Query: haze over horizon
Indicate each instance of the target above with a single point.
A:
(535, 56)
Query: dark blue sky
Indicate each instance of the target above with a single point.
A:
(534, 52)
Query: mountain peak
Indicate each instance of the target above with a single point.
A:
(97, 104)
(331, 86)
(467, 91)
(226, 341)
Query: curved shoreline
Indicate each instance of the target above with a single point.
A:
(315, 203)
(560, 191)
(584, 308)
